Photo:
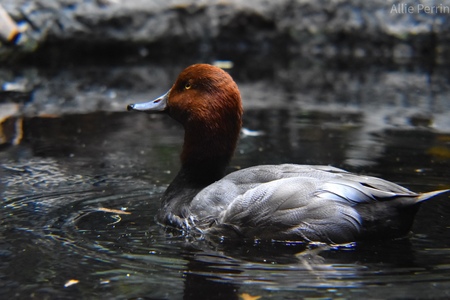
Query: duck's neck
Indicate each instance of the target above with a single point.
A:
(207, 152)
(204, 160)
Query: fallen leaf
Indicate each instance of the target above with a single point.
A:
(71, 282)
(115, 211)
(246, 296)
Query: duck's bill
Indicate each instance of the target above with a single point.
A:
(158, 105)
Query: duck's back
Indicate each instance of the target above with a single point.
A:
(306, 203)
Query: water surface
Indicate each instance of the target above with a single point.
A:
(80, 189)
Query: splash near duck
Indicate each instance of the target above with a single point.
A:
(286, 202)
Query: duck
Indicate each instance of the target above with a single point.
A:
(276, 203)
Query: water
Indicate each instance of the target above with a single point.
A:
(79, 192)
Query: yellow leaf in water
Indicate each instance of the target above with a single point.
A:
(443, 138)
(246, 296)
(115, 211)
(71, 282)
(441, 152)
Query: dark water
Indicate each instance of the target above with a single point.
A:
(79, 192)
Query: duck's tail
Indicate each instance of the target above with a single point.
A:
(429, 195)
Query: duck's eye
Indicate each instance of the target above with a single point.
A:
(187, 86)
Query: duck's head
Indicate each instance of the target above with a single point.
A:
(207, 102)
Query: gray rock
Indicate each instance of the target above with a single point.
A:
(377, 28)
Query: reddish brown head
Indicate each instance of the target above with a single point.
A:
(206, 100)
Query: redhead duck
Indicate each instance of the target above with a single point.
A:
(269, 202)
